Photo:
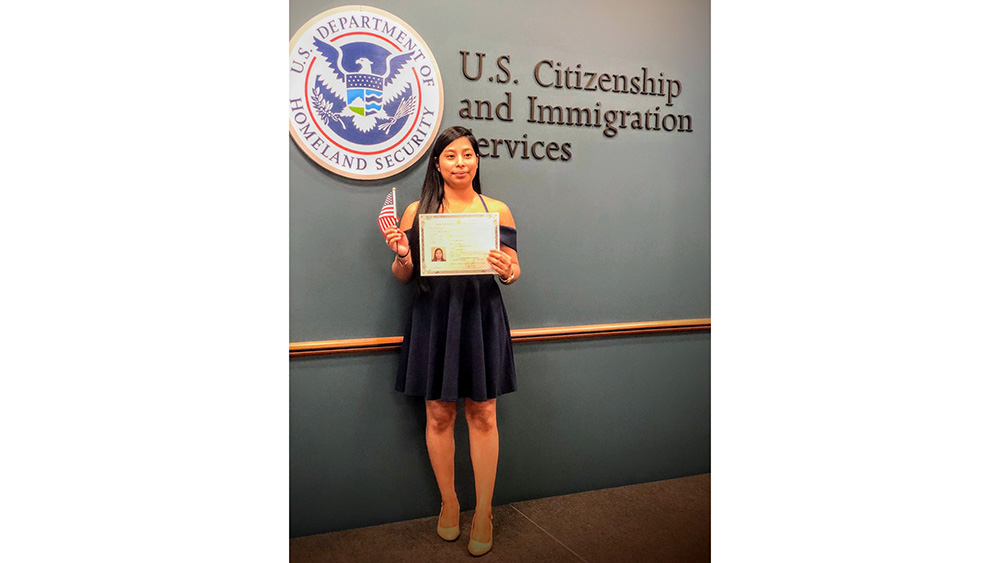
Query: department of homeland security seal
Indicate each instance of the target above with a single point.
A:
(365, 96)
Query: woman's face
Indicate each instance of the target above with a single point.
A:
(438, 254)
(458, 163)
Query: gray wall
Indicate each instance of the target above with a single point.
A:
(621, 232)
(618, 233)
(587, 415)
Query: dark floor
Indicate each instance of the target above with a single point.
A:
(660, 521)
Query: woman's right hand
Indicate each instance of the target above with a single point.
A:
(397, 241)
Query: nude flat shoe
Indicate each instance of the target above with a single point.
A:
(447, 534)
(478, 548)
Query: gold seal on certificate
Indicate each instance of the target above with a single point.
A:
(457, 244)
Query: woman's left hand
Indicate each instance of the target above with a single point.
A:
(501, 263)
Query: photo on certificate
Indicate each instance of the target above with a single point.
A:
(457, 244)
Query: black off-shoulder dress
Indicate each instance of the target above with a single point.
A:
(457, 338)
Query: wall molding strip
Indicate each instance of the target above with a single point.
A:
(359, 345)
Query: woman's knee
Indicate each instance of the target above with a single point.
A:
(440, 415)
(481, 415)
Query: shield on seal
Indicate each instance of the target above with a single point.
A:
(364, 93)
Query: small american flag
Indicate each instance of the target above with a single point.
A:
(387, 217)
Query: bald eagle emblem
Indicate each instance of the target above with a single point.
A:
(360, 85)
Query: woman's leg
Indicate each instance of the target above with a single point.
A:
(484, 446)
(440, 435)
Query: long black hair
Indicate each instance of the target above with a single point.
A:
(432, 193)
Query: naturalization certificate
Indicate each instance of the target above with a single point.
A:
(457, 244)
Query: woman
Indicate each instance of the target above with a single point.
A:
(438, 255)
(457, 338)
